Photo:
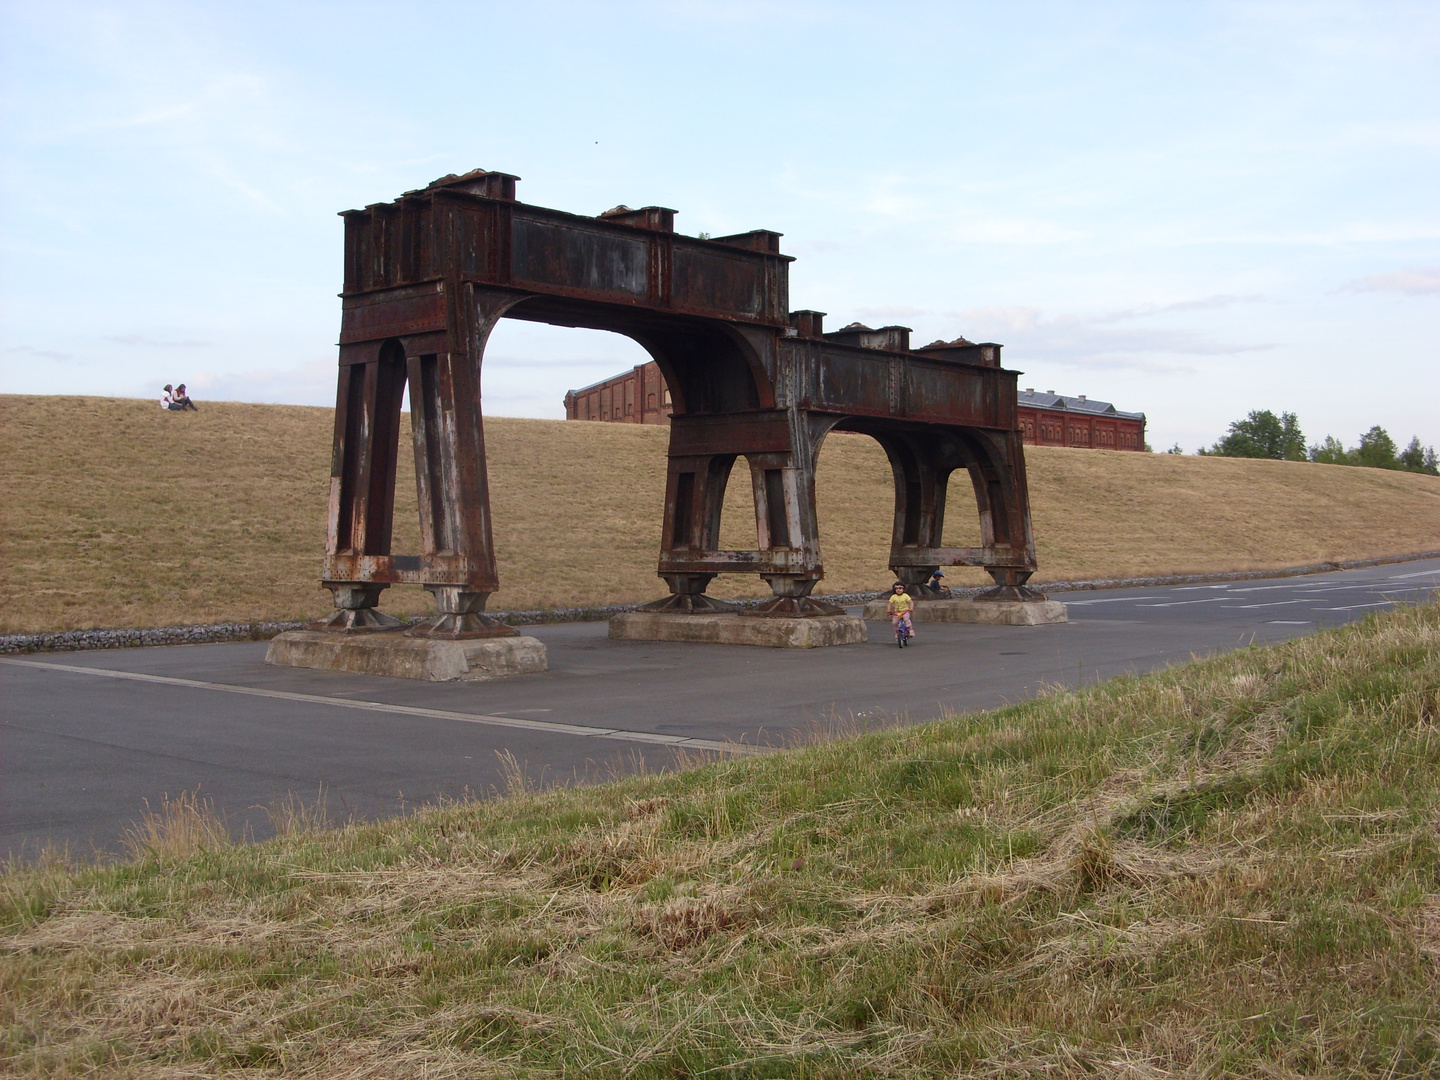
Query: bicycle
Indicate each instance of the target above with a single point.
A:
(902, 632)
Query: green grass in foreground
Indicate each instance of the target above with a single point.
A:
(1231, 868)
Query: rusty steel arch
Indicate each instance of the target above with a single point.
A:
(428, 276)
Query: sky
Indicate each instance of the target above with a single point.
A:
(1192, 210)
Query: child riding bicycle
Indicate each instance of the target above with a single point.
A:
(901, 606)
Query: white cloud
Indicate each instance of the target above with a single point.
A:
(897, 199)
(309, 383)
(42, 354)
(151, 343)
(1416, 280)
(897, 311)
(1091, 342)
(1015, 230)
(1358, 232)
(1209, 303)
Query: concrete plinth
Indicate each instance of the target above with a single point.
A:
(733, 629)
(408, 658)
(991, 612)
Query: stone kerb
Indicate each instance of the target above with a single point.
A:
(409, 658)
(734, 629)
(985, 612)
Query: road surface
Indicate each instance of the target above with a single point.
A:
(86, 738)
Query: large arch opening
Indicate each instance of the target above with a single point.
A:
(575, 508)
(708, 367)
(530, 366)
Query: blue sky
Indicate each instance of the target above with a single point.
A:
(1190, 209)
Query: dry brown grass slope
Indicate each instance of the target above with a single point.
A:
(115, 513)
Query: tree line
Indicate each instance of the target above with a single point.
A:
(1262, 434)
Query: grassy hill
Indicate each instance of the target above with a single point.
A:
(115, 513)
(1227, 869)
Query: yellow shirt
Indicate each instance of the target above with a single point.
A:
(900, 603)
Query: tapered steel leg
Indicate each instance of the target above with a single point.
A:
(694, 499)
(458, 552)
(362, 493)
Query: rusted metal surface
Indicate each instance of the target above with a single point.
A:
(640, 396)
(428, 276)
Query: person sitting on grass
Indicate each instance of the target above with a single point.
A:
(901, 605)
(183, 399)
(169, 402)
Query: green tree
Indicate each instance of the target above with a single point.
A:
(1417, 458)
(1376, 450)
(1262, 434)
(1330, 452)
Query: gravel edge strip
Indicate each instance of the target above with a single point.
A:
(80, 640)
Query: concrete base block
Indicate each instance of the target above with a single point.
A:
(732, 629)
(991, 612)
(408, 658)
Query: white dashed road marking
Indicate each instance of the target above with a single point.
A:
(550, 727)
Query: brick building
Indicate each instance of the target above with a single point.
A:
(639, 396)
(1050, 419)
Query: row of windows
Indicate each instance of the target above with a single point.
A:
(1056, 432)
(595, 406)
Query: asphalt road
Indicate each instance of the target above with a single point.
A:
(87, 738)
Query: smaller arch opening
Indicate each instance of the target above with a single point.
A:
(738, 533)
(961, 528)
(855, 508)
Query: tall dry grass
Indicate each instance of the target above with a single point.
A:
(115, 513)
(184, 825)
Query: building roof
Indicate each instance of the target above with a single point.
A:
(1081, 404)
